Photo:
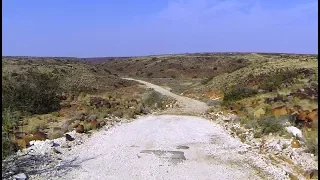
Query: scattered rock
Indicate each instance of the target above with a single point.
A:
(54, 144)
(303, 116)
(313, 116)
(99, 102)
(56, 151)
(69, 138)
(145, 110)
(102, 123)
(295, 144)
(65, 126)
(80, 116)
(231, 117)
(311, 174)
(294, 131)
(278, 111)
(94, 124)
(80, 128)
(75, 125)
(20, 176)
(55, 132)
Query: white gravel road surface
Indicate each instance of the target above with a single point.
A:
(167, 147)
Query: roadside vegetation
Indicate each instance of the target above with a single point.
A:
(47, 97)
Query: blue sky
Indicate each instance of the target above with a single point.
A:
(83, 28)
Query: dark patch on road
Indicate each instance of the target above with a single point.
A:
(182, 147)
(172, 156)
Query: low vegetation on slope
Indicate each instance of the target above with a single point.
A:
(176, 66)
(46, 97)
(265, 90)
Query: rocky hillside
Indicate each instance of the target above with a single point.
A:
(46, 97)
(263, 89)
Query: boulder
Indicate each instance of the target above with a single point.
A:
(294, 131)
(278, 111)
(80, 128)
(99, 102)
(313, 115)
(229, 117)
(24, 142)
(311, 174)
(94, 124)
(295, 144)
(75, 125)
(302, 116)
(102, 123)
(20, 176)
(55, 132)
(69, 138)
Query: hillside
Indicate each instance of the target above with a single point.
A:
(44, 97)
(253, 86)
(259, 98)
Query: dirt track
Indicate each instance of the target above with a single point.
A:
(167, 147)
(188, 105)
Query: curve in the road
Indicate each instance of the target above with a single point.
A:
(187, 105)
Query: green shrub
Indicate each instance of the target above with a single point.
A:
(311, 140)
(7, 146)
(270, 124)
(249, 123)
(10, 118)
(153, 99)
(238, 92)
(280, 77)
(33, 92)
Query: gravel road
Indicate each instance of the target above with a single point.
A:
(188, 105)
(167, 147)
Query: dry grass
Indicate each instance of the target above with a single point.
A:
(35, 124)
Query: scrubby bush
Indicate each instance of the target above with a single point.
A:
(153, 99)
(33, 92)
(249, 123)
(270, 124)
(311, 137)
(9, 120)
(238, 92)
(28, 93)
(7, 146)
(280, 77)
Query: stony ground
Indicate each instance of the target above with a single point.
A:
(151, 147)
